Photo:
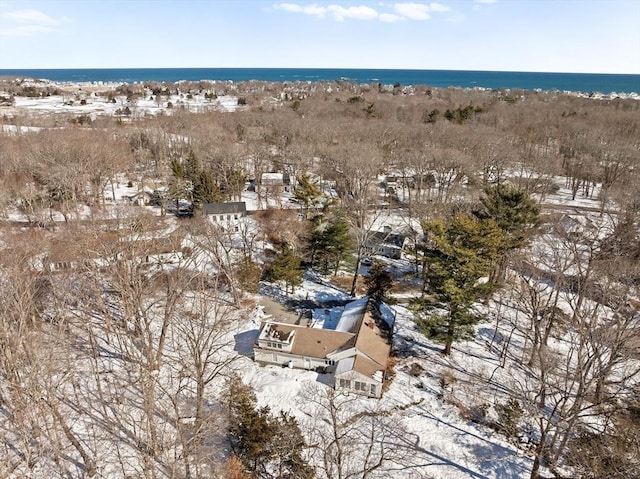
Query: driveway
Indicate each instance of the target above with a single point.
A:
(279, 312)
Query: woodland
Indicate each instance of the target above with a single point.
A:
(522, 213)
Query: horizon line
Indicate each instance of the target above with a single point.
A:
(319, 68)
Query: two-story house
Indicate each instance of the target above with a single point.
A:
(356, 352)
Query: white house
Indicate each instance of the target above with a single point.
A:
(226, 214)
(356, 352)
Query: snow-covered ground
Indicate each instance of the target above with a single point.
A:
(94, 106)
(445, 445)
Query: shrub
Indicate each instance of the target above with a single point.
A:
(248, 275)
(476, 413)
(509, 415)
(416, 370)
(447, 379)
(81, 120)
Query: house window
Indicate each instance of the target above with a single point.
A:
(360, 386)
(228, 217)
(345, 383)
(373, 390)
(329, 362)
(235, 217)
(279, 345)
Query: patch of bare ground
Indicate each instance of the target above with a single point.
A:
(344, 283)
(405, 287)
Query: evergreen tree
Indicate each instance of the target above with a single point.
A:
(286, 268)
(517, 215)
(515, 212)
(307, 192)
(192, 167)
(233, 182)
(378, 281)
(250, 429)
(178, 188)
(458, 254)
(177, 168)
(331, 244)
(286, 448)
(268, 446)
(205, 189)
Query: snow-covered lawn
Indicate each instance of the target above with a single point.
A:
(444, 443)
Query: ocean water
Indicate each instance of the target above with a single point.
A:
(578, 82)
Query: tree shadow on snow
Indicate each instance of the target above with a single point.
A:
(494, 459)
(500, 461)
(422, 458)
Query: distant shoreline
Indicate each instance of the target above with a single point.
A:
(565, 82)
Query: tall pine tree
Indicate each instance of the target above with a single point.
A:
(331, 244)
(287, 268)
(205, 189)
(517, 215)
(379, 281)
(307, 192)
(459, 254)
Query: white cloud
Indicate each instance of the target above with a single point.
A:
(439, 7)
(307, 10)
(390, 17)
(401, 11)
(413, 11)
(338, 12)
(478, 4)
(420, 11)
(31, 22)
(30, 16)
(359, 13)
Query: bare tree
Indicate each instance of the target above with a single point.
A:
(351, 442)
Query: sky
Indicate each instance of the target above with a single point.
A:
(585, 36)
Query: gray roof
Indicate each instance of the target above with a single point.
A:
(382, 237)
(352, 313)
(231, 207)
